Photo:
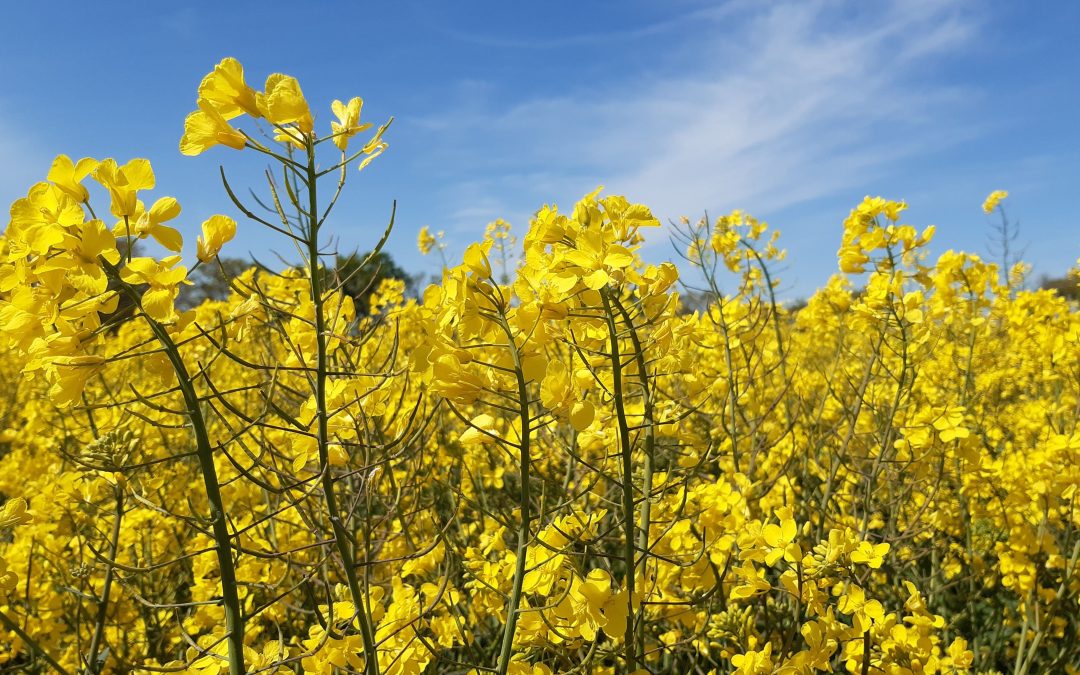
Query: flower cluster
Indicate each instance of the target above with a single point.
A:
(558, 458)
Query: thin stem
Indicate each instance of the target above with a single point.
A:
(627, 451)
(644, 513)
(342, 537)
(524, 504)
(230, 599)
(95, 663)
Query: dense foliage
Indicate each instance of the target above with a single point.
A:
(542, 465)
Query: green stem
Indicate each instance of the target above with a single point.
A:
(645, 510)
(342, 538)
(524, 504)
(234, 620)
(95, 664)
(627, 452)
(866, 654)
(1033, 651)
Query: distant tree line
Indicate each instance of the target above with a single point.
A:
(212, 282)
(1067, 286)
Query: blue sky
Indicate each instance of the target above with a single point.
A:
(792, 111)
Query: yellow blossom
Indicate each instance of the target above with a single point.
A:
(224, 88)
(163, 278)
(205, 128)
(68, 175)
(216, 231)
(993, 199)
(284, 103)
(348, 121)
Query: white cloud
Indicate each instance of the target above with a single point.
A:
(768, 106)
(437, 21)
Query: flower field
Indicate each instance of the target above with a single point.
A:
(549, 462)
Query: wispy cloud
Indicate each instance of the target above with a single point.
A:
(679, 20)
(780, 104)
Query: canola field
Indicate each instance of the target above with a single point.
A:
(545, 463)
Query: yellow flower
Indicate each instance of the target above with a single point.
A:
(476, 260)
(598, 607)
(425, 240)
(124, 182)
(993, 200)
(853, 260)
(164, 279)
(780, 539)
(205, 128)
(582, 414)
(950, 425)
(8, 580)
(518, 666)
(68, 376)
(217, 230)
(149, 223)
(80, 265)
(959, 654)
(68, 175)
(21, 314)
(820, 647)
(452, 380)
(348, 121)
(373, 149)
(13, 513)
(224, 88)
(481, 431)
(284, 103)
(754, 662)
(870, 554)
(854, 601)
(752, 582)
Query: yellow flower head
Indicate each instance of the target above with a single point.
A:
(205, 128)
(425, 241)
(163, 278)
(124, 182)
(145, 223)
(13, 513)
(284, 103)
(68, 175)
(224, 88)
(993, 200)
(217, 230)
(348, 121)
